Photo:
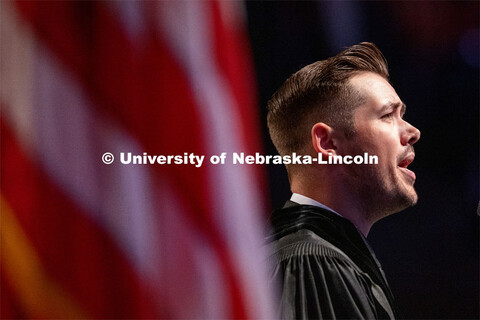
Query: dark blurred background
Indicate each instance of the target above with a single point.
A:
(430, 252)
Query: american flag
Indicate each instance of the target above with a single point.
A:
(83, 239)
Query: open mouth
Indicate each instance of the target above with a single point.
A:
(404, 164)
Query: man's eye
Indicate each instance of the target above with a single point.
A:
(388, 115)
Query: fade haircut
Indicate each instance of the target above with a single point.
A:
(320, 92)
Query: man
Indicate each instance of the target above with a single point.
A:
(340, 106)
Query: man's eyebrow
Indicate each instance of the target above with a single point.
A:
(395, 105)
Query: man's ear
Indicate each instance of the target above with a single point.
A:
(322, 139)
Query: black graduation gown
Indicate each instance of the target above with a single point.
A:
(325, 267)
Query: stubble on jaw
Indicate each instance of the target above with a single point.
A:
(379, 192)
(378, 199)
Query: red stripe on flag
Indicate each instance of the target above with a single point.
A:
(9, 306)
(97, 274)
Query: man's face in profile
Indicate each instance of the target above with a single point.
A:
(380, 129)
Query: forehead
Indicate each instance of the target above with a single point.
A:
(375, 89)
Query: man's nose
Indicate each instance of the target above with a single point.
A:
(410, 134)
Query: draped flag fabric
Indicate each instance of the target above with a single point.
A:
(84, 239)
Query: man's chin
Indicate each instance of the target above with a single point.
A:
(412, 198)
(406, 201)
(415, 200)
(397, 204)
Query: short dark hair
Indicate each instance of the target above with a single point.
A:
(320, 92)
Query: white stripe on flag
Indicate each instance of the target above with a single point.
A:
(194, 284)
(16, 73)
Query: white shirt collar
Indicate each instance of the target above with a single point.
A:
(300, 199)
